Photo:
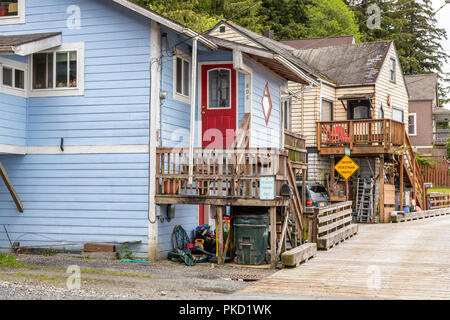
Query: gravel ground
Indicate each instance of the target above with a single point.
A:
(104, 279)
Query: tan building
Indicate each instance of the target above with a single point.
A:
(357, 104)
(426, 133)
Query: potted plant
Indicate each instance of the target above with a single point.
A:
(171, 186)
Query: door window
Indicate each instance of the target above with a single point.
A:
(219, 89)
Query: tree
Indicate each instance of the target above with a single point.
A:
(330, 18)
(412, 25)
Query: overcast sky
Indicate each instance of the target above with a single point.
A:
(444, 22)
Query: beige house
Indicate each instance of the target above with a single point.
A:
(357, 104)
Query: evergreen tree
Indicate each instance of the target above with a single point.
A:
(412, 25)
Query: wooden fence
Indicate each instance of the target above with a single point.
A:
(330, 225)
(437, 174)
(438, 200)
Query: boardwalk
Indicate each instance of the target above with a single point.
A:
(386, 261)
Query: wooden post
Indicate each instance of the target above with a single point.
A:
(273, 236)
(332, 164)
(304, 190)
(346, 191)
(414, 182)
(219, 235)
(401, 182)
(382, 189)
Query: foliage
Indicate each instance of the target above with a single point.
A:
(447, 146)
(124, 253)
(423, 160)
(7, 260)
(412, 25)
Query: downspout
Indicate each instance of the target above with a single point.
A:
(193, 98)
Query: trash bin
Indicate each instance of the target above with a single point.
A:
(251, 236)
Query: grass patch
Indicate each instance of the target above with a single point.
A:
(440, 190)
(9, 261)
(118, 273)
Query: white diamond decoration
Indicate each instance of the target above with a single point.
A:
(267, 103)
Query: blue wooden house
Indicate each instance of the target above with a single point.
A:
(117, 123)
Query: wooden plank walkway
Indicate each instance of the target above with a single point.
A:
(386, 261)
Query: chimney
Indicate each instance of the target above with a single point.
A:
(268, 33)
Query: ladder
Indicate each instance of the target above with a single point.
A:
(364, 213)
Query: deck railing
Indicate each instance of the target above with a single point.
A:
(370, 132)
(219, 172)
(295, 144)
(441, 136)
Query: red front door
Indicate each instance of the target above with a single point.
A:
(218, 105)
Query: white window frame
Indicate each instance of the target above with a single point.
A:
(14, 65)
(66, 91)
(415, 124)
(393, 69)
(20, 18)
(184, 58)
(286, 105)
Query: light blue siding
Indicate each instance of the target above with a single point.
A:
(13, 120)
(114, 109)
(262, 134)
(76, 198)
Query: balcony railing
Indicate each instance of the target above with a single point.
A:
(218, 173)
(360, 136)
(441, 136)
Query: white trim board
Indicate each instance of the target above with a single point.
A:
(100, 149)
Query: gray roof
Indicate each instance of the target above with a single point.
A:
(348, 64)
(422, 86)
(17, 40)
(314, 43)
(272, 45)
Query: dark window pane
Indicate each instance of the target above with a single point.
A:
(7, 76)
(179, 75)
(9, 8)
(73, 69)
(19, 79)
(43, 70)
(219, 88)
(186, 78)
(61, 69)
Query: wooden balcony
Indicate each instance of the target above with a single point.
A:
(362, 137)
(222, 177)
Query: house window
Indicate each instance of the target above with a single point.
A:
(397, 115)
(55, 70)
(12, 12)
(13, 78)
(412, 124)
(286, 104)
(59, 72)
(182, 72)
(392, 69)
(381, 112)
(326, 114)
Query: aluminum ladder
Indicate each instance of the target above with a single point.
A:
(365, 202)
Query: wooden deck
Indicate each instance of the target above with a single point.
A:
(385, 261)
(362, 137)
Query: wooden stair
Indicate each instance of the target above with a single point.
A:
(413, 173)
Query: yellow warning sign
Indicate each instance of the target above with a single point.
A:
(346, 167)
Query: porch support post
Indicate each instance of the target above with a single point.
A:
(219, 236)
(273, 236)
(304, 190)
(193, 97)
(382, 189)
(401, 182)
(332, 164)
(155, 60)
